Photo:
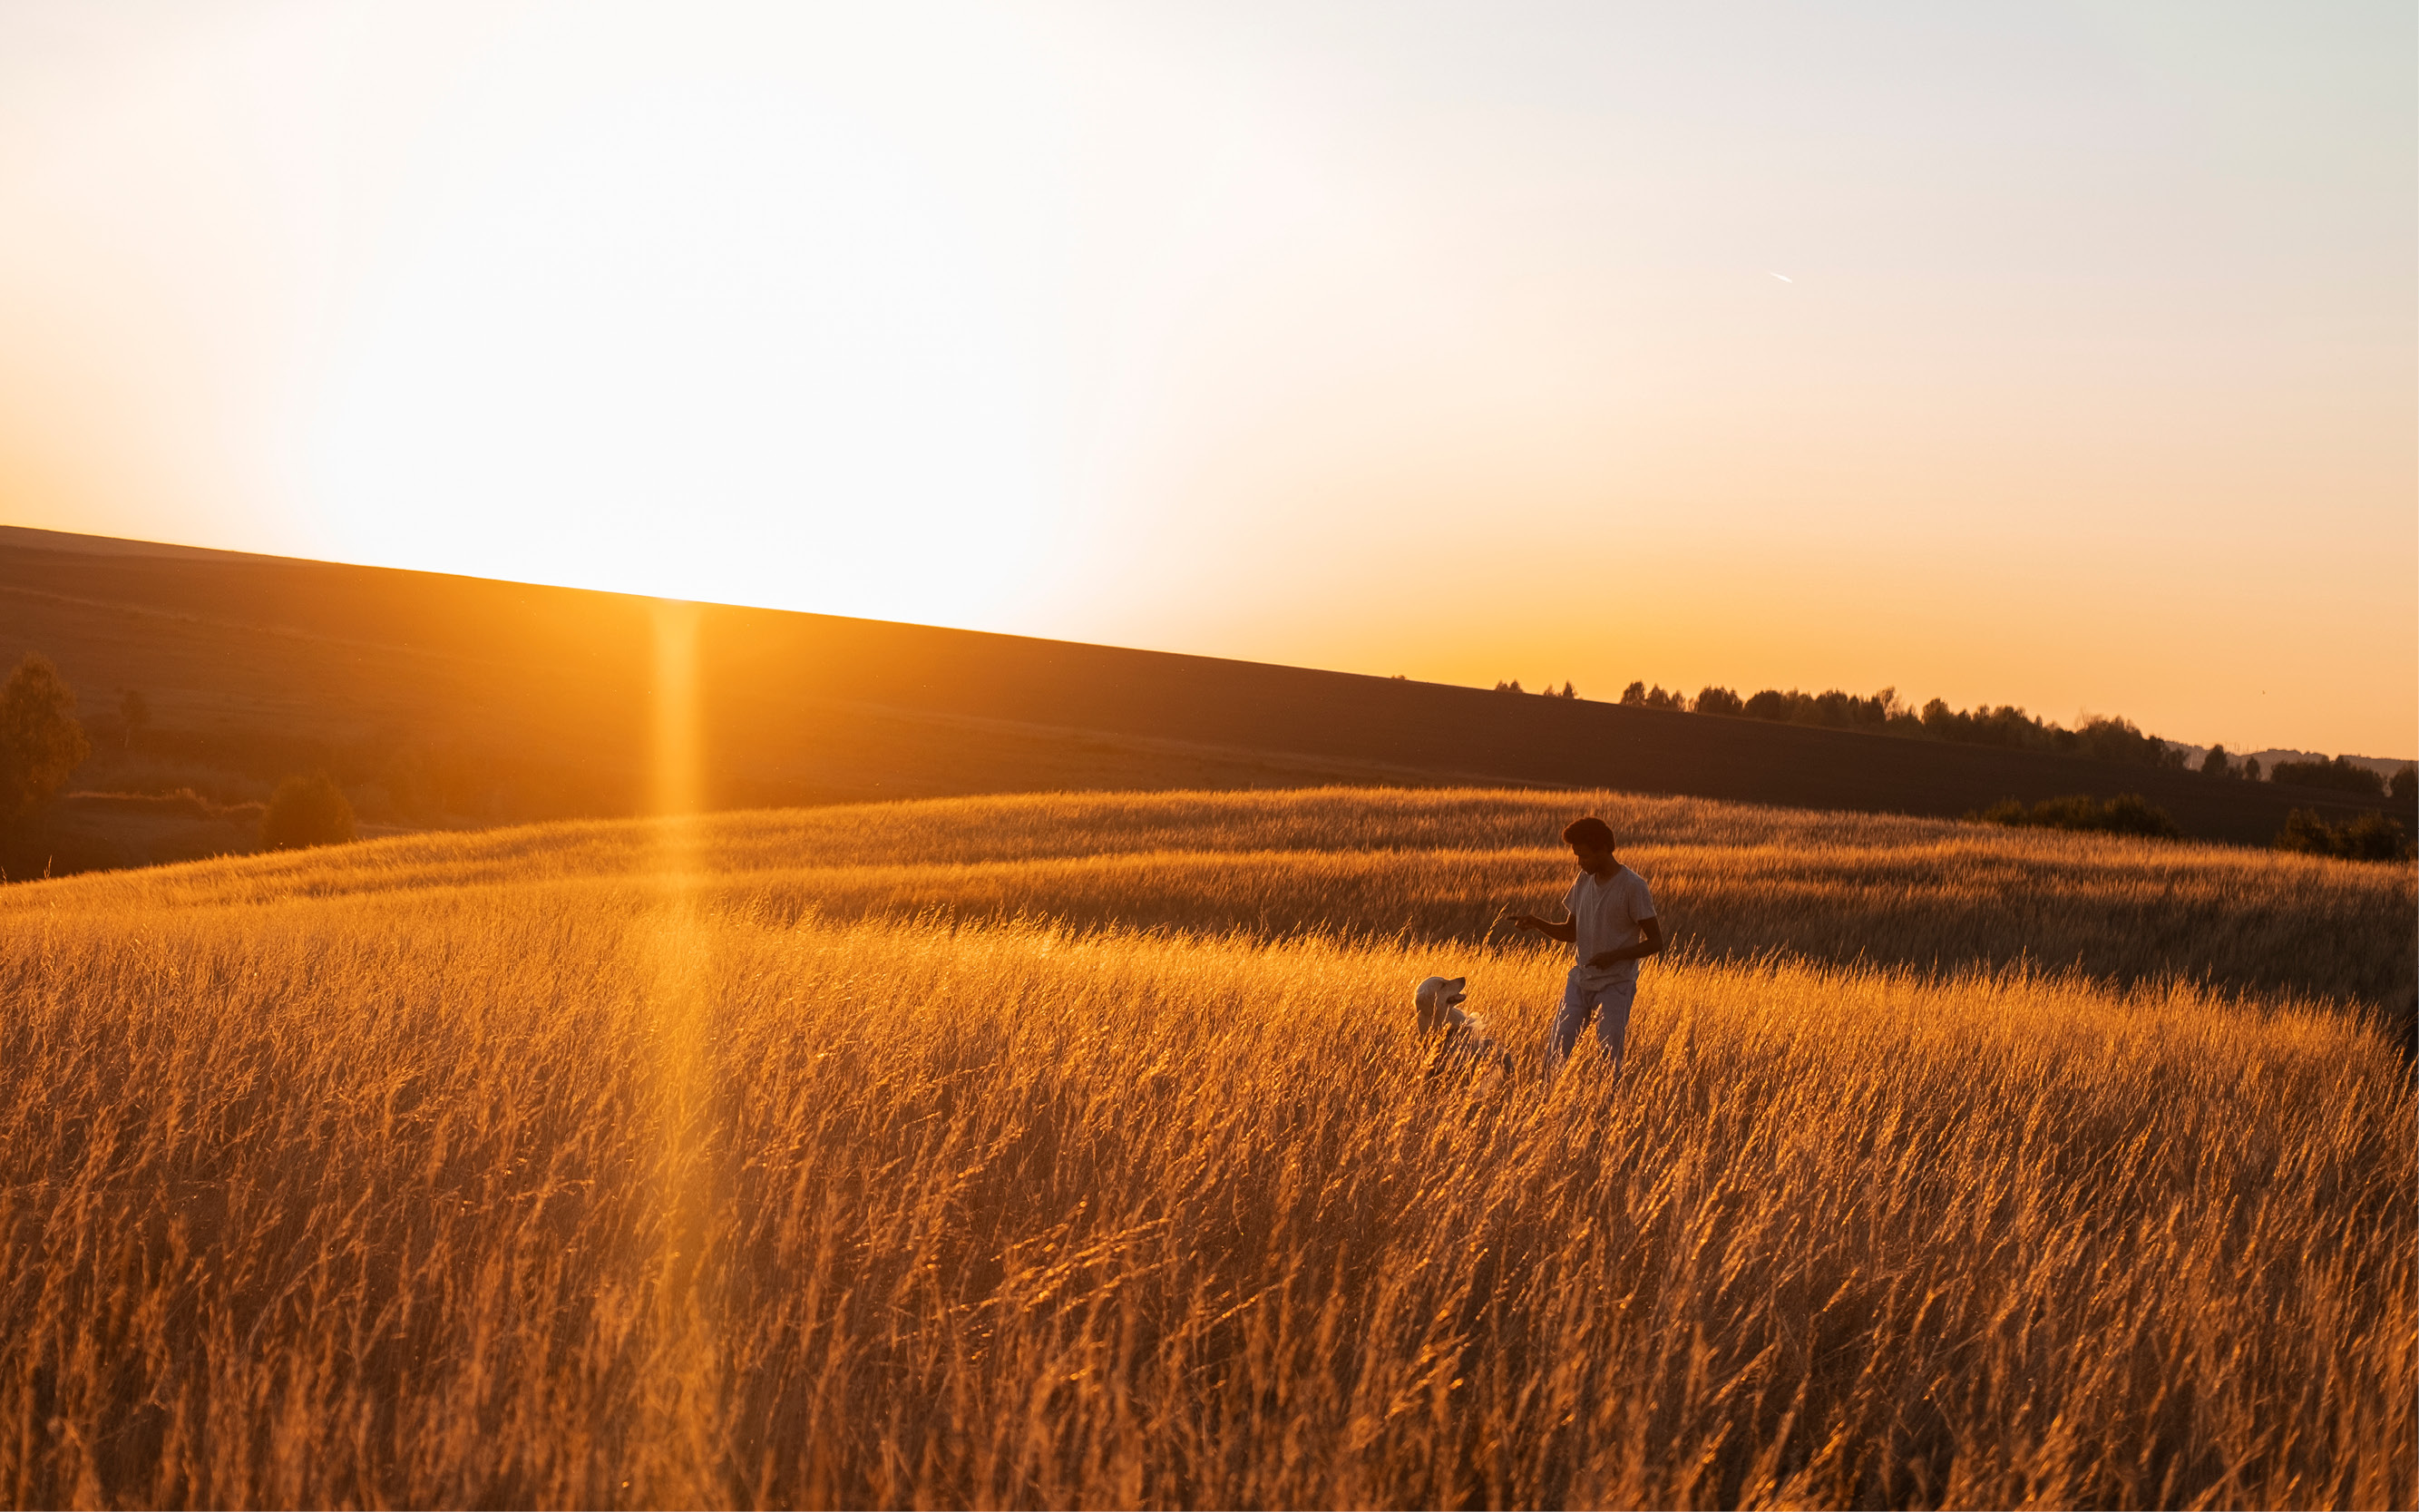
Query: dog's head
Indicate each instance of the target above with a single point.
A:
(1438, 1002)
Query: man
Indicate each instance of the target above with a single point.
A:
(1609, 921)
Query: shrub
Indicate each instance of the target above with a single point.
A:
(40, 741)
(2340, 775)
(2128, 813)
(2372, 837)
(306, 812)
(1720, 701)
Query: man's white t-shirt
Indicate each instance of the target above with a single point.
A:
(1607, 913)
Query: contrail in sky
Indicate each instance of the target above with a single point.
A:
(1784, 277)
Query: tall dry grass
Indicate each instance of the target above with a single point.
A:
(1736, 880)
(636, 1188)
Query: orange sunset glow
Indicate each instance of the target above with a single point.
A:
(2057, 356)
(1344, 753)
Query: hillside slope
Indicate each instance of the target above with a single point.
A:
(500, 700)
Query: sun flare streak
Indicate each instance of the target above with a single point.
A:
(680, 1275)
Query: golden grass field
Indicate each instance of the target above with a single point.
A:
(1075, 1150)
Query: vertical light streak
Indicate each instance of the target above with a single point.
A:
(679, 1410)
(675, 781)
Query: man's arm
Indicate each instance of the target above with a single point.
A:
(1651, 943)
(1565, 930)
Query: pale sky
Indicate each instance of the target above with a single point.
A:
(2052, 354)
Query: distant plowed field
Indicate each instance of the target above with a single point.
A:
(432, 696)
(1075, 1150)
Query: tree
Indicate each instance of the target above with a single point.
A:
(2215, 764)
(2404, 786)
(2343, 775)
(1512, 686)
(2114, 738)
(1634, 694)
(2251, 768)
(1717, 701)
(40, 741)
(306, 812)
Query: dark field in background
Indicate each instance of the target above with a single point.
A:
(438, 697)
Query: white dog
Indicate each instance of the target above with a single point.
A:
(1461, 1040)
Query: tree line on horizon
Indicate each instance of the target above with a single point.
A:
(42, 742)
(2108, 737)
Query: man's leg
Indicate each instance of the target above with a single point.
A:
(1577, 1001)
(1612, 1018)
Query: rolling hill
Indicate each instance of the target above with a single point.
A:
(441, 698)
